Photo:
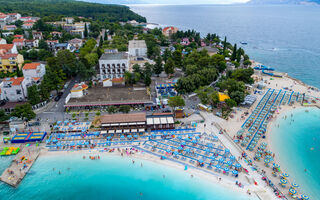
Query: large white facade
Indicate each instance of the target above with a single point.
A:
(113, 65)
(33, 70)
(14, 89)
(137, 48)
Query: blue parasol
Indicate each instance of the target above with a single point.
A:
(283, 181)
(235, 172)
(292, 191)
(285, 175)
(218, 166)
(294, 185)
(200, 161)
(237, 165)
(304, 197)
(226, 169)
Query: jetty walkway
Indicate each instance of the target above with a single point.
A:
(20, 165)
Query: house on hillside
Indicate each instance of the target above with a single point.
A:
(9, 62)
(14, 89)
(34, 70)
(19, 43)
(37, 35)
(168, 31)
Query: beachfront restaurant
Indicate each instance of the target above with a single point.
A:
(123, 123)
(133, 123)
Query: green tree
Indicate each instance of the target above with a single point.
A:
(3, 116)
(176, 101)
(231, 103)
(33, 95)
(43, 45)
(147, 80)
(224, 45)
(237, 96)
(177, 58)
(247, 63)
(19, 71)
(158, 66)
(100, 42)
(24, 112)
(85, 31)
(147, 69)
(169, 66)
(234, 53)
(214, 99)
(136, 68)
(166, 55)
(124, 108)
(112, 109)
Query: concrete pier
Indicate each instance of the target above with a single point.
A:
(20, 165)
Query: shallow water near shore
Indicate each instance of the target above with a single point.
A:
(111, 177)
(297, 144)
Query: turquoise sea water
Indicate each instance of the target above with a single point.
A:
(297, 144)
(111, 177)
(285, 37)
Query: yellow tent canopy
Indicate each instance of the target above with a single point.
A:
(223, 97)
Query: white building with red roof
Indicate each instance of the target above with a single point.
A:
(19, 43)
(14, 89)
(168, 31)
(8, 48)
(33, 70)
(27, 26)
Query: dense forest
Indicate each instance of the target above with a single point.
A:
(43, 8)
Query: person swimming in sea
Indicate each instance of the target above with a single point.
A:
(59, 172)
(305, 170)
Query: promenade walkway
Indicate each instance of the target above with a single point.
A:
(20, 165)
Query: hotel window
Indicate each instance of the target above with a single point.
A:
(18, 91)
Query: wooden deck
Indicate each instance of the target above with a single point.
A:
(15, 173)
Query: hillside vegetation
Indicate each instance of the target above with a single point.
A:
(50, 8)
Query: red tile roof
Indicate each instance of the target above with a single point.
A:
(18, 40)
(30, 66)
(18, 36)
(6, 46)
(6, 56)
(36, 78)
(15, 80)
(117, 80)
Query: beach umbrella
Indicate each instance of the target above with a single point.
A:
(122, 136)
(232, 158)
(180, 148)
(187, 150)
(179, 137)
(226, 169)
(285, 175)
(153, 135)
(72, 143)
(109, 137)
(283, 181)
(175, 153)
(229, 163)
(234, 172)
(226, 150)
(218, 166)
(294, 185)
(197, 137)
(194, 141)
(210, 145)
(129, 136)
(304, 197)
(165, 133)
(221, 160)
(183, 143)
(237, 165)
(276, 165)
(292, 191)
(266, 160)
(136, 136)
(200, 161)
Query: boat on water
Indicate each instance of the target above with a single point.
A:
(243, 43)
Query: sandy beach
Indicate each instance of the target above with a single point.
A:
(233, 125)
(216, 178)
